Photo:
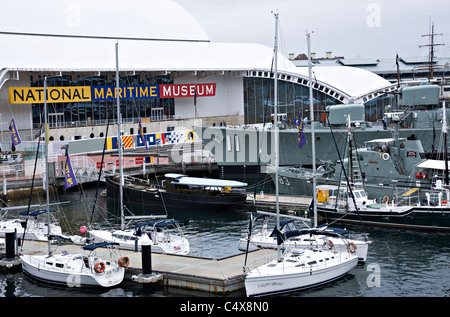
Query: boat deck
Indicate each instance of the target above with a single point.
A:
(220, 276)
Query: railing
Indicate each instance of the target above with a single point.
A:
(88, 123)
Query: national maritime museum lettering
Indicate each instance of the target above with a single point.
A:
(101, 93)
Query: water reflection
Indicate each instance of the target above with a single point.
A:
(411, 264)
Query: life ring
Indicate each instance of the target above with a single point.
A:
(351, 247)
(385, 199)
(329, 244)
(99, 267)
(123, 261)
(385, 156)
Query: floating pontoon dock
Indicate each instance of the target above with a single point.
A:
(220, 276)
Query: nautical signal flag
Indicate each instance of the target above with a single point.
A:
(127, 141)
(301, 137)
(141, 134)
(69, 175)
(15, 138)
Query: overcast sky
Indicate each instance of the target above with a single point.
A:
(349, 28)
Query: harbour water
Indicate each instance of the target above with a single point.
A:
(400, 263)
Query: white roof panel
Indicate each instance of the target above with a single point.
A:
(149, 19)
(353, 81)
(79, 54)
(208, 182)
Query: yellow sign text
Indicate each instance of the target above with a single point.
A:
(54, 94)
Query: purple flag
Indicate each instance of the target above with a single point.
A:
(15, 138)
(301, 137)
(69, 179)
(141, 134)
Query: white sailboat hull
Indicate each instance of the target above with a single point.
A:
(266, 242)
(290, 275)
(35, 230)
(173, 245)
(70, 271)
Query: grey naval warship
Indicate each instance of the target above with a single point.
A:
(393, 153)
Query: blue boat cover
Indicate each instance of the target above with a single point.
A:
(59, 238)
(92, 247)
(279, 235)
(161, 223)
(35, 212)
(285, 222)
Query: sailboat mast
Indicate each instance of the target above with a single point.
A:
(119, 141)
(46, 165)
(275, 112)
(313, 138)
(431, 45)
(431, 52)
(444, 131)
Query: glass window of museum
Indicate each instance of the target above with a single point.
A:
(293, 100)
(95, 113)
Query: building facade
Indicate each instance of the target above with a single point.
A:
(75, 47)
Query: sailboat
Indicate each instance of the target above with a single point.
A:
(32, 228)
(293, 237)
(297, 269)
(78, 270)
(29, 227)
(298, 238)
(157, 233)
(164, 236)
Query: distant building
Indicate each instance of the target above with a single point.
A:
(410, 69)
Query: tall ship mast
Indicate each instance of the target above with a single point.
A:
(431, 45)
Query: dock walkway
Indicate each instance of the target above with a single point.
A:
(219, 276)
(286, 202)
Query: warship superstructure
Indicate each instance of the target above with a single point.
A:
(237, 148)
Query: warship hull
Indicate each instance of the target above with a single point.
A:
(239, 146)
(417, 218)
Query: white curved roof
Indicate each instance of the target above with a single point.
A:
(352, 81)
(37, 53)
(149, 19)
(153, 35)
